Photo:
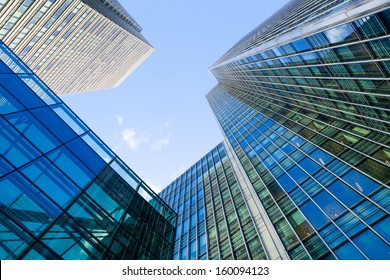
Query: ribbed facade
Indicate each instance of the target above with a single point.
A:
(214, 220)
(74, 45)
(63, 193)
(303, 101)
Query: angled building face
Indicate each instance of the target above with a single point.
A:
(214, 219)
(74, 45)
(303, 103)
(63, 193)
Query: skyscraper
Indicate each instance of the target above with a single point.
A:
(214, 219)
(74, 45)
(63, 193)
(303, 104)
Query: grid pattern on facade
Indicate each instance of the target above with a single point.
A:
(296, 18)
(73, 45)
(320, 206)
(311, 119)
(211, 207)
(63, 193)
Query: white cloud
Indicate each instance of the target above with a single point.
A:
(119, 119)
(131, 139)
(159, 144)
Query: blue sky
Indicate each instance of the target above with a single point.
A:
(158, 120)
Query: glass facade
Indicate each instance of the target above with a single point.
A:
(303, 100)
(72, 45)
(214, 221)
(63, 193)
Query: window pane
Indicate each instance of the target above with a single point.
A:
(71, 241)
(347, 195)
(360, 182)
(51, 180)
(330, 206)
(33, 130)
(349, 252)
(71, 166)
(54, 123)
(21, 200)
(314, 215)
(86, 155)
(374, 247)
(14, 147)
(20, 91)
(8, 103)
(13, 239)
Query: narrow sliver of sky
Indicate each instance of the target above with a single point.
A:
(158, 120)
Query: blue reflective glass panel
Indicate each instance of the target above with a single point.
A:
(383, 228)
(71, 166)
(71, 119)
(314, 215)
(4, 166)
(21, 91)
(301, 45)
(343, 33)
(287, 148)
(374, 247)
(14, 147)
(349, 252)
(9, 103)
(347, 195)
(309, 165)
(327, 203)
(33, 130)
(297, 141)
(298, 174)
(286, 182)
(360, 182)
(21, 200)
(14, 240)
(87, 155)
(51, 181)
(54, 124)
(4, 68)
(320, 156)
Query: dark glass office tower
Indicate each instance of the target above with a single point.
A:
(303, 102)
(63, 193)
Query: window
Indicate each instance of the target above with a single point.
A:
(360, 182)
(374, 247)
(349, 252)
(314, 215)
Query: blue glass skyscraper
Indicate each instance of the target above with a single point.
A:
(63, 193)
(303, 103)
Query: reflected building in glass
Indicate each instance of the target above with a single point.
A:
(74, 45)
(303, 103)
(63, 193)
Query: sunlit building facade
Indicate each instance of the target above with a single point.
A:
(214, 220)
(74, 45)
(63, 193)
(303, 102)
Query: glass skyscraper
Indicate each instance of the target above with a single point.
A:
(63, 193)
(303, 103)
(74, 45)
(214, 219)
